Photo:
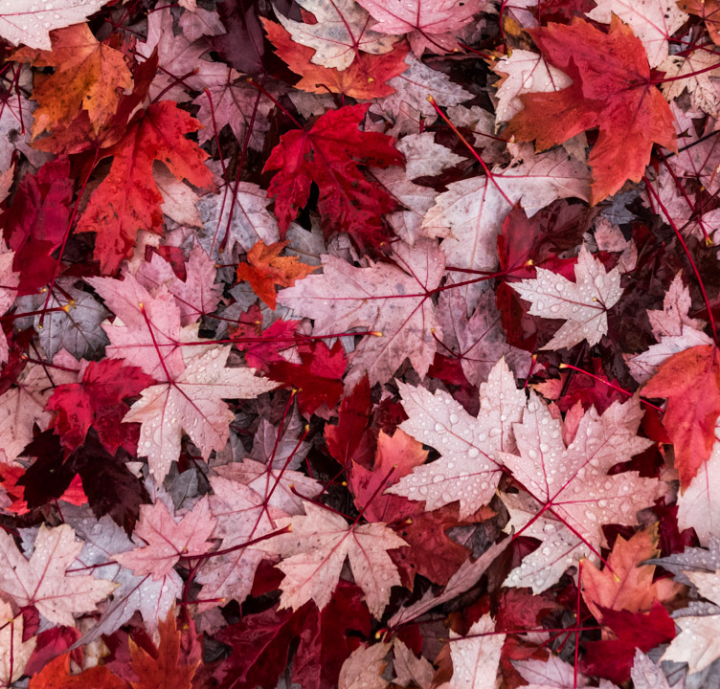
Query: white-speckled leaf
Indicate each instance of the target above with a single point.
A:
(583, 304)
(573, 486)
(476, 657)
(31, 21)
(315, 551)
(192, 403)
(42, 580)
(469, 468)
(384, 298)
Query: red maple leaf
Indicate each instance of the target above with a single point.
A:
(329, 155)
(611, 90)
(98, 402)
(36, 222)
(318, 379)
(690, 381)
(614, 658)
(128, 199)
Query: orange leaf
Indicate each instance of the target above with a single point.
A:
(364, 79)
(265, 269)
(611, 90)
(89, 75)
(172, 667)
(56, 675)
(626, 584)
(690, 381)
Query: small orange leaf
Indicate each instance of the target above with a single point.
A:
(266, 268)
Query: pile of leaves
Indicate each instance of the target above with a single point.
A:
(359, 343)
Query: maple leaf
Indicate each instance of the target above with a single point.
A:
(690, 380)
(192, 402)
(364, 668)
(171, 665)
(128, 199)
(167, 539)
(24, 405)
(328, 155)
(583, 304)
(341, 30)
(96, 401)
(88, 76)
(429, 25)
(410, 669)
(56, 675)
(392, 300)
(42, 580)
(196, 294)
(476, 656)
(611, 90)
(573, 493)
(103, 541)
(698, 506)
(14, 653)
(146, 332)
(317, 379)
(36, 223)
(314, 553)
(364, 79)
(24, 21)
(613, 658)
(626, 583)
(265, 269)
(242, 515)
(73, 326)
(469, 468)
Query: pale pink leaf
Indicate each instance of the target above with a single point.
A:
(476, 657)
(42, 580)
(430, 24)
(469, 467)
(572, 487)
(195, 296)
(192, 402)
(583, 304)
(364, 667)
(14, 653)
(314, 554)
(390, 300)
(29, 22)
(341, 29)
(168, 539)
